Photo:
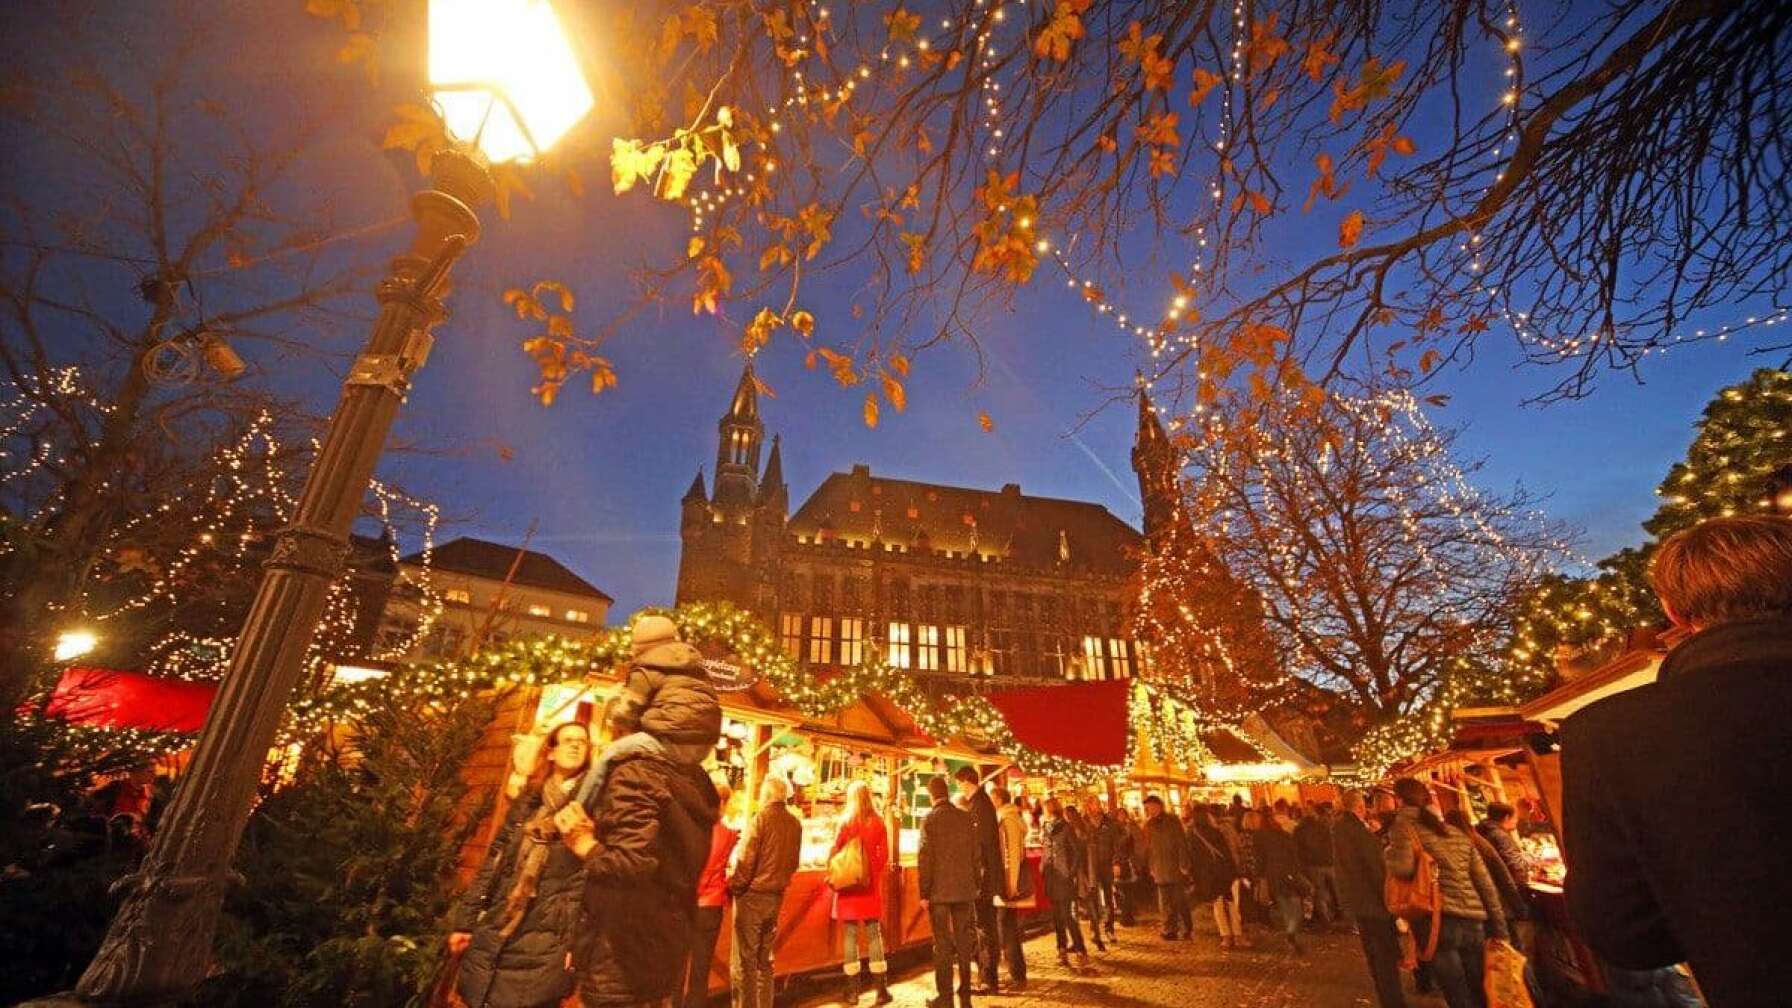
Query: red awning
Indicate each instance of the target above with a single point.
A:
(110, 698)
(1085, 721)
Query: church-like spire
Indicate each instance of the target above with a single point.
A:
(696, 494)
(737, 448)
(1151, 428)
(1154, 462)
(745, 406)
(773, 493)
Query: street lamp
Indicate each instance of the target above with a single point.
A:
(72, 644)
(507, 81)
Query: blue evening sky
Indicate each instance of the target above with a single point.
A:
(601, 477)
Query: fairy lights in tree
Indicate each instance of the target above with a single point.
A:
(1382, 572)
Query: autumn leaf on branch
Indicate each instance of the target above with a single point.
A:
(1326, 184)
(871, 409)
(759, 331)
(1205, 80)
(803, 323)
(418, 130)
(984, 421)
(1064, 28)
(894, 391)
(1265, 46)
(1350, 229)
(1319, 58)
(1378, 146)
(903, 25)
(713, 284)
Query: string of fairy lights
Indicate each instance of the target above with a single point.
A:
(1171, 729)
(241, 506)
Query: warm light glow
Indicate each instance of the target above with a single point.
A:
(1249, 771)
(356, 673)
(75, 643)
(504, 75)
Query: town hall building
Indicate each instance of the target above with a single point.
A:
(941, 580)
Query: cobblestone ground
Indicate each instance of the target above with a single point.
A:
(1143, 971)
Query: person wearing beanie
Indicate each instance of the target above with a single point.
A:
(643, 824)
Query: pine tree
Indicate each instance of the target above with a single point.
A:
(347, 869)
(1744, 436)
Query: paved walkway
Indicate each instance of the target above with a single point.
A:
(1143, 971)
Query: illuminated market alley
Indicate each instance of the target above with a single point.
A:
(1143, 971)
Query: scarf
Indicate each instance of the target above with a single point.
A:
(538, 836)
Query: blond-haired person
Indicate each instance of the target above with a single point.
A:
(1675, 818)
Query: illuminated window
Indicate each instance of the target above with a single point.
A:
(790, 634)
(577, 616)
(1092, 658)
(852, 642)
(927, 648)
(899, 656)
(1122, 660)
(460, 595)
(821, 640)
(537, 609)
(955, 656)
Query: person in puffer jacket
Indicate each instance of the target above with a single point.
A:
(645, 833)
(1471, 904)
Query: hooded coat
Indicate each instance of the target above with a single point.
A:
(653, 820)
(529, 968)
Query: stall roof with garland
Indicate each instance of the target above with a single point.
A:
(1076, 732)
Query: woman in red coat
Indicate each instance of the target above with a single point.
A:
(860, 909)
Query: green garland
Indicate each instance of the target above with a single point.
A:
(545, 661)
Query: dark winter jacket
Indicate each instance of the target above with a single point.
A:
(1278, 858)
(1517, 861)
(1512, 896)
(1675, 819)
(1362, 870)
(673, 701)
(1104, 845)
(654, 819)
(1064, 852)
(989, 843)
(1166, 850)
(773, 850)
(949, 866)
(1314, 838)
(529, 968)
(1210, 868)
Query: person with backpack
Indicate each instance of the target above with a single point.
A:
(1213, 877)
(1465, 906)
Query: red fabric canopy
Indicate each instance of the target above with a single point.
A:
(110, 698)
(1085, 721)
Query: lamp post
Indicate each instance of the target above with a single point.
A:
(508, 84)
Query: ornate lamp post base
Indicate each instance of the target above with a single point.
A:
(159, 946)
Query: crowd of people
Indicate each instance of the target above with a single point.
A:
(613, 868)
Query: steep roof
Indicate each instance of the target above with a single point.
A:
(1035, 532)
(479, 558)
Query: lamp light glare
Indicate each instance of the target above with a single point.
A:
(73, 644)
(505, 76)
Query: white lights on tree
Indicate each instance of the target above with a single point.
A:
(505, 76)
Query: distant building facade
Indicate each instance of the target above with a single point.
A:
(940, 580)
(490, 593)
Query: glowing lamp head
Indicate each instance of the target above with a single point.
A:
(504, 74)
(73, 644)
